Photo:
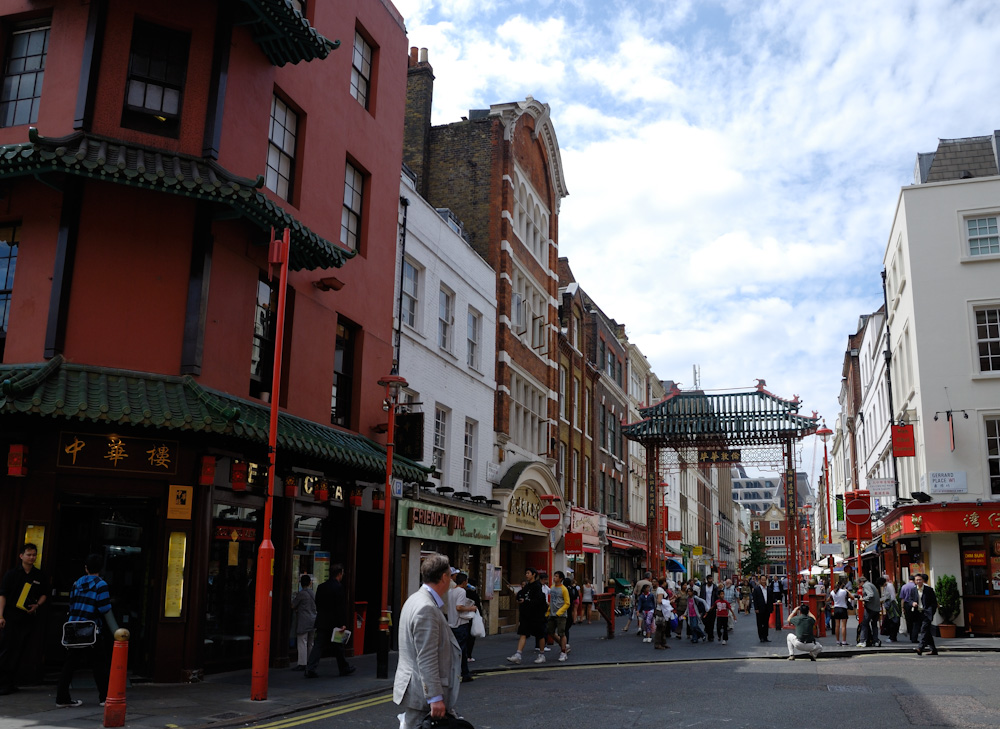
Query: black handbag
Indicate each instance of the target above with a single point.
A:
(79, 634)
(445, 722)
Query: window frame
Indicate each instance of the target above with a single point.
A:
(263, 342)
(469, 455)
(344, 376)
(439, 444)
(144, 118)
(976, 308)
(277, 152)
(446, 318)
(410, 301)
(992, 236)
(473, 335)
(25, 28)
(563, 376)
(359, 73)
(7, 282)
(353, 210)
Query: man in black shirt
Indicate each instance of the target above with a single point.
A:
(22, 591)
(331, 612)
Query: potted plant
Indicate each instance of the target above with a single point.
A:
(949, 603)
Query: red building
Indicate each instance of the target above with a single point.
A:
(138, 329)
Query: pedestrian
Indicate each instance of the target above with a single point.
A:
(88, 600)
(665, 620)
(872, 601)
(696, 607)
(331, 614)
(555, 625)
(646, 606)
(587, 599)
(574, 602)
(908, 596)
(775, 594)
(680, 609)
(841, 600)
(762, 610)
(723, 613)
(709, 593)
(925, 605)
(304, 608)
(730, 593)
(636, 591)
(531, 615)
(460, 611)
(803, 638)
(472, 594)
(890, 609)
(785, 588)
(745, 596)
(429, 663)
(23, 591)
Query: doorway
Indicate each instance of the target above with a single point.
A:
(124, 534)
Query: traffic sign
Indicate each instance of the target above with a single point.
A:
(859, 511)
(549, 517)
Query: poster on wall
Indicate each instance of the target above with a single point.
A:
(488, 582)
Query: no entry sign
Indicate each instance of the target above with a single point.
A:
(859, 511)
(549, 517)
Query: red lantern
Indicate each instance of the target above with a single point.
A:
(238, 476)
(378, 500)
(321, 491)
(206, 477)
(17, 460)
(290, 487)
(357, 497)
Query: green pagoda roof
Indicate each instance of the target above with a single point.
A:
(283, 33)
(81, 393)
(112, 160)
(694, 418)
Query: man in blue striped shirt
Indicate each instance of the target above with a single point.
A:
(89, 600)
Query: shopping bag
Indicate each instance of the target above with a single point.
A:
(478, 627)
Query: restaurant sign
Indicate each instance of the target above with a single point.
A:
(420, 520)
(117, 453)
(523, 509)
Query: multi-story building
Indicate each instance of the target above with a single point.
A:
(499, 171)
(757, 493)
(774, 535)
(942, 263)
(874, 446)
(447, 323)
(141, 323)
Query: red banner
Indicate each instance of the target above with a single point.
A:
(573, 543)
(975, 558)
(675, 536)
(902, 441)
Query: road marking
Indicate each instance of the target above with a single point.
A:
(326, 713)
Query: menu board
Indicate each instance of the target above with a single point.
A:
(173, 601)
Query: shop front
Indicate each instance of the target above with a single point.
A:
(582, 547)
(962, 540)
(626, 551)
(464, 532)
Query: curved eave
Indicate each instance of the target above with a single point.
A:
(283, 34)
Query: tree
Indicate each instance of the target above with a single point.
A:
(756, 557)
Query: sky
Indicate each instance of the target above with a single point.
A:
(733, 167)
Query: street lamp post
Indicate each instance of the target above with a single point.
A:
(392, 383)
(824, 433)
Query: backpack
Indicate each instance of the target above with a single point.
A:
(574, 593)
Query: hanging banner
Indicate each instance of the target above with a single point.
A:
(902, 441)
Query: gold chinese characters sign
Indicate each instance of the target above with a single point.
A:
(117, 453)
(719, 456)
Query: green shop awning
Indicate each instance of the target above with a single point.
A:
(201, 178)
(81, 393)
(283, 33)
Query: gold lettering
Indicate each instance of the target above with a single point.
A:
(159, 456)
(116, 451)
(75, 447)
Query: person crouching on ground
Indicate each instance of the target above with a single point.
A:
(803, 639)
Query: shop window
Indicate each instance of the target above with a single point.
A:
(9, 237)
(157, 70)
(342, 398)
(24, 71)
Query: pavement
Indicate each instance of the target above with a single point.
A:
(223, 700)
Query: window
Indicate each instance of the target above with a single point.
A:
(988, 339)
(361, 69)
(775, 525)
(440, 439)
(983, 236)
(410, 294)
(262, 348)
(528, 415)
(350, 218)
(446, 318)
(562, 393)
(602, 493)
(602, 428)
(576, 402)
(474, 328)
(281, 149)
(756, 526)
(574, 466)
(774, 541)
(576, 332)
(562, 466)
(343, 375)
(585, 496)
(469, 456)
(24, 70)
(586, 412)
(9, 237)
(157, 69)
(993, 453)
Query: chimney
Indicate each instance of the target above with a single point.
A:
(417, 127)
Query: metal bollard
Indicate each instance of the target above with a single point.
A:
(114, 707)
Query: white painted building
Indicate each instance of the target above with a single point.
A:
(873, 432)
(942, 263)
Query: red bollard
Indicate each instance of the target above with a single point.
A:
(114, 707)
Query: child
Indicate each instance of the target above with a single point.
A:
(722, 612)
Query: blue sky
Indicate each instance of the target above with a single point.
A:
(733, 167)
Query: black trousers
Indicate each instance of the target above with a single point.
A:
(709, 621)
(12, 644)
(322, 640)
(913, 621)
(99, 660)
(762, 618)
(927, 634)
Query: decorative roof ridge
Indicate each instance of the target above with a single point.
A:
(286, 35)
(27, 379)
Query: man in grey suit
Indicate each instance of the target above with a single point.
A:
(430, 660)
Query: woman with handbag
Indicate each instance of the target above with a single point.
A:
(841, 600)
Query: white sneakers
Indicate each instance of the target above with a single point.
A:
(647, 640)
(540, 658)
(516, 658)
(724, 642)
(562, 656)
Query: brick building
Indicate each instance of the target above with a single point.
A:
(500, 172)
(139, 328)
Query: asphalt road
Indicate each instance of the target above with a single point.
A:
(873, 691)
